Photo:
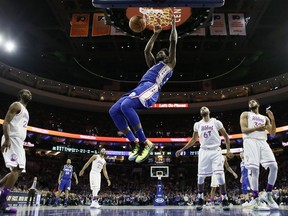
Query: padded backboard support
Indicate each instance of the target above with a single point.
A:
(157, 3)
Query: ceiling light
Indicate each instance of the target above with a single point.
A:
(9, 46)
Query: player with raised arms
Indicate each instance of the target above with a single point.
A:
(123, 112)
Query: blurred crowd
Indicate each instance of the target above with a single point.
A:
(132, 185)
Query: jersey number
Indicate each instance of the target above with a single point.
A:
(207, 134)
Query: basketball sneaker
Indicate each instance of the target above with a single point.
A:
(149, 147)
(246, 204)
(135, 152)
(95, 204)
(259, 205)
(200, 204)
(225, 205)
(268, 198)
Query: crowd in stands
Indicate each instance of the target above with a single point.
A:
(130, 186)
(155, 125)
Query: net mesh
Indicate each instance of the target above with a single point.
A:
(155, 17)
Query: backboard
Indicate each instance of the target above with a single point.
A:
(155, 171)
(157, 3)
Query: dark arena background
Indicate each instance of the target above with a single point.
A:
(79, 57)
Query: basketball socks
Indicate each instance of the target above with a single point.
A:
(269, 187)
(4, 193)
(255, 194)
(130, 136)
(141, 136)
(3, 196)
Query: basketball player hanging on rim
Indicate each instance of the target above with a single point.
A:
(123, 112)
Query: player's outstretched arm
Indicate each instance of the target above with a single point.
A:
(75, 177)
(270, 123)
(173, 43)
(87, 164)
(149, 57)
(191, 142)
(106, 174)
(227, 142)
(229, 169)
(60, 176)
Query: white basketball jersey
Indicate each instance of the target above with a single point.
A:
(18, 125)
(97, 164)
(254, 120)
(208, 132)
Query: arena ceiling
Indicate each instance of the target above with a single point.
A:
(41, 30)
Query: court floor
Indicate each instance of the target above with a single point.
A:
(142, 211)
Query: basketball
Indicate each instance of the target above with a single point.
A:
(137, 24)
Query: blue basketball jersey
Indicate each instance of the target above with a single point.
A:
(67, 172)
(158, 73)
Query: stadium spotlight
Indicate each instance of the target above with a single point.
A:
(9, 46)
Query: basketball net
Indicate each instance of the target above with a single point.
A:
(159, 175)
(159, 16)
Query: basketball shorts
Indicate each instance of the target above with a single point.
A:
(65, 184)
(95, 180)
(15, 155)
(257, 152)
(146, 92)
(210, 161)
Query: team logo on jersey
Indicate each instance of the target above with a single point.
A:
(13, 157)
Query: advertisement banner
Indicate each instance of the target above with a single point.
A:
(79, 25)
(99, 27)
(117, 31)
(199, 32)
(237, 24)
(219, 26)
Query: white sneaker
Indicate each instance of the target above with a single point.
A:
(246, 204)
(259, 205)
(95, 204)
(268, 198)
